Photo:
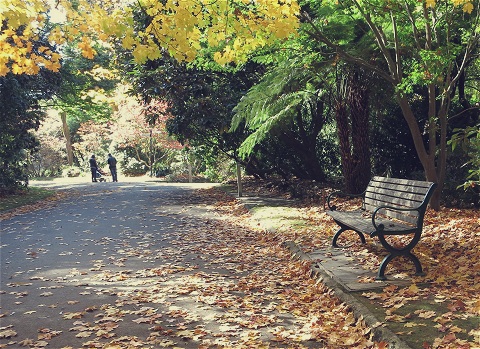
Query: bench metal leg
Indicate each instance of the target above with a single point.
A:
(341, 230)
(418, 266)
(381, 271)
(394, 252)
(388, 259)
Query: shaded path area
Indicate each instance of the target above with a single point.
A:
(67, 261)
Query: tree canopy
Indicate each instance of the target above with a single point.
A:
(422, 49)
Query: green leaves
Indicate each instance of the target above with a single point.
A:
(469, 140)
(272, 105)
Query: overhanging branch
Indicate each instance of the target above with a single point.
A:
(317, 34)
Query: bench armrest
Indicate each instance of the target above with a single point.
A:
(380, 227)
(340, 194)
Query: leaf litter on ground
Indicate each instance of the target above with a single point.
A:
(449, 252)
(218, 283)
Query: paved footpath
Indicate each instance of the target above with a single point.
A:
(66, 270)
(129, 265)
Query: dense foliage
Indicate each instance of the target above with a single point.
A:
(424, 52)
(20, 114)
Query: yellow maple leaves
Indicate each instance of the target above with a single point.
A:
(180, 27)
(466, 5)
(16, 41)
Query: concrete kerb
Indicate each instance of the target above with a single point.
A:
(381, 333)
(318, 272)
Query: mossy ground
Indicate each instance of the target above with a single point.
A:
(417, 331)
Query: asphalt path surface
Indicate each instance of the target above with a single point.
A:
(104, 267)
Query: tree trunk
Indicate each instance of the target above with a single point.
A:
(343, 129)
(358, 102)
(66, 133)
(427, 160)
(353, 136)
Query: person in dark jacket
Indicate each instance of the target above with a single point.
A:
(93, 168)
(112, 164)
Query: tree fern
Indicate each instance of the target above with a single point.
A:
(273, 104)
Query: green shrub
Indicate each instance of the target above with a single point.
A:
(133, 167)
(455, 192)
(71, 171)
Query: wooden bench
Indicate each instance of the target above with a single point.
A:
(390, 206)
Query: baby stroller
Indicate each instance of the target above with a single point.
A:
(100, 175)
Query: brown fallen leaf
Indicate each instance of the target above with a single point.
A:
(8, 334)
(427, 314)
(69, 316)
(84, 334)
(26, 343)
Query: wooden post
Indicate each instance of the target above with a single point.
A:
(151, 158)
(189, 173)
(239, 180)
(324, 199)
(66, 133)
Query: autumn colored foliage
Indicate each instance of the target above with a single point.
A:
(178, 27)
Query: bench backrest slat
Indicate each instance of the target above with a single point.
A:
(401, 193)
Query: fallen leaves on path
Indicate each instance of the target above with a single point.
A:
(210, 283)
(41, 204)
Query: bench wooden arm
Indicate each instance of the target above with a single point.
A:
(340, 194)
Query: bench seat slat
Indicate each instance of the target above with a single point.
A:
(410, 217)
(399, 187)
(358, 221)
(400, 191)
(399, 202)
(389, 195)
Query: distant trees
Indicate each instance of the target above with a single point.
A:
(199, 101)
(86, 84)
(141, 147)
(49, 159)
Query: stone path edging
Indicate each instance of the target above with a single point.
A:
(394, 342)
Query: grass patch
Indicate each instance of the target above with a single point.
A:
(277, 217)
(51, 179)
(24, 197)
(228, 188)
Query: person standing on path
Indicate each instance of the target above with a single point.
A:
(93, 168)
(112, 163)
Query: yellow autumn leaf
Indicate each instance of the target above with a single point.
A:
(128, 42)
(468, 7)
(4, 69)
